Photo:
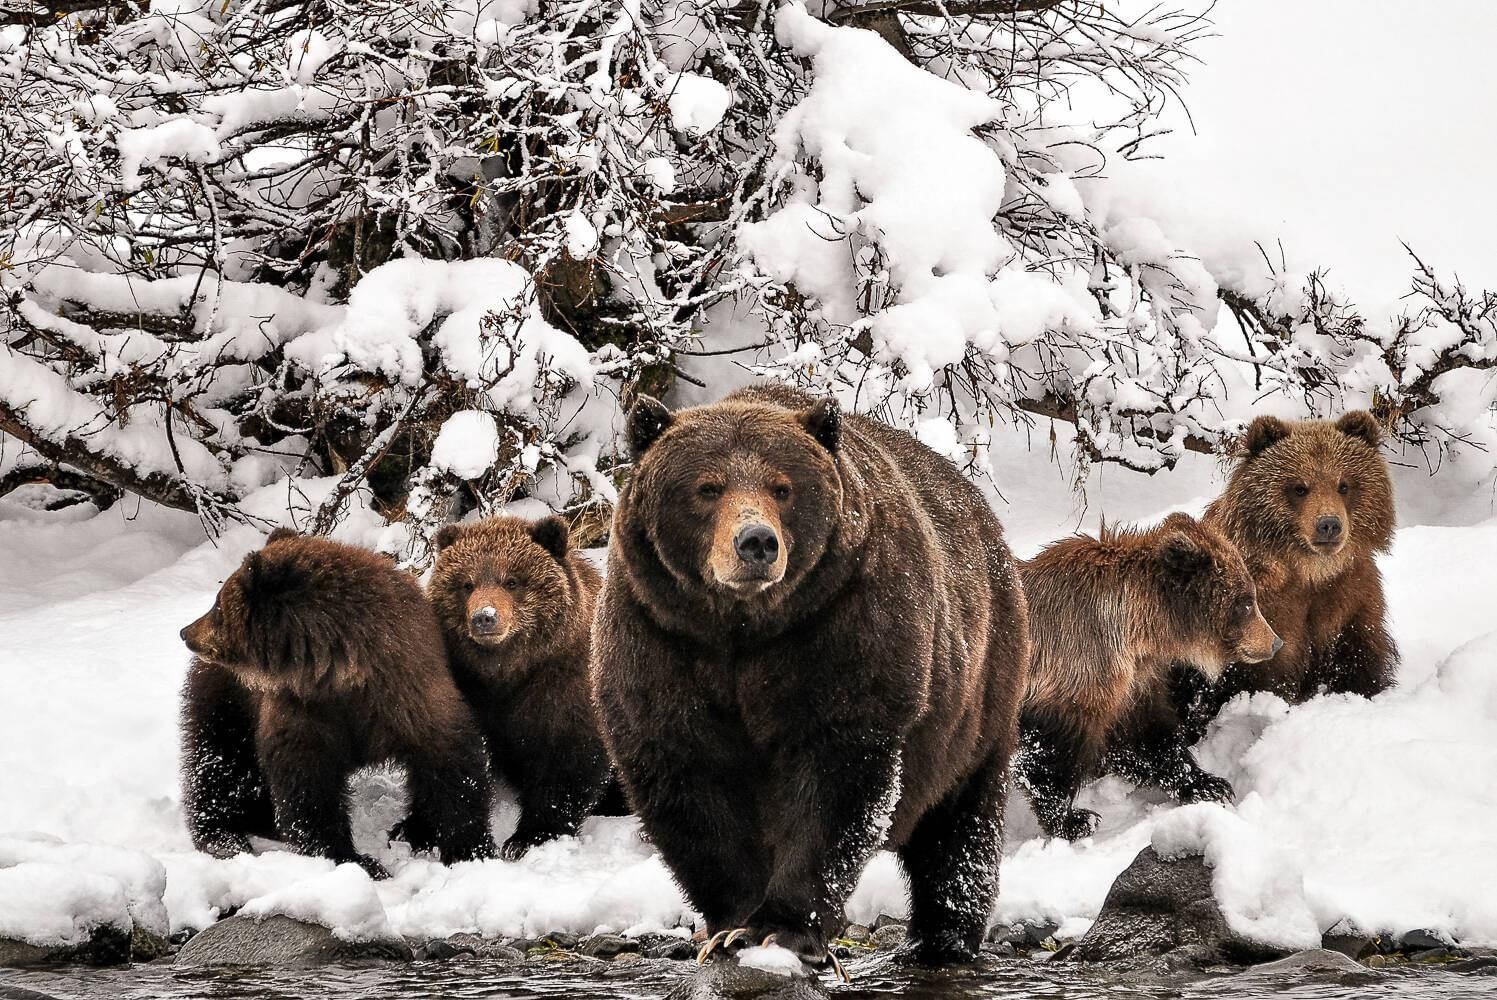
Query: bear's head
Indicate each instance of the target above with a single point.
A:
(1217, 621)
(738, 498)
(501, 582)
(1317, 489)
(249, 627)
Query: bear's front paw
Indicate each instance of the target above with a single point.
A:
(1206, 787)
(416, 832)
(520, 843)
(225, 845)
(372, 868)
(1078, 824)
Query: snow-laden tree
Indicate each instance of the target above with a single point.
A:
(429, 248)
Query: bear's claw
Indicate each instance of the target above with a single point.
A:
(725, 940)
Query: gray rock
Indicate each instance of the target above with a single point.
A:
(8, 992)
(1156, 906)
(857, 932)
(280, 941)
(884, 920)
(731, 981)
(1316, 960)
(1345, 937)
(1423, 939)
(675, 949)
(890, 936)
(561, 940)
(1003, 949)
(607, 946)
(106, 946)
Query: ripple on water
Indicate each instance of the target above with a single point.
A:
(651, 980)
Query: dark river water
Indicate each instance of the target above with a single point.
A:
(649, 980)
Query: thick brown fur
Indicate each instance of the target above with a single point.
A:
(1326, 602)
(811, 643)
(1109, 616)
(526, 676)
(317, 659)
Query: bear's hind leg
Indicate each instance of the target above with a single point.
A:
(1051, 763)
(224, 795)
(952, 861)
(307, 763)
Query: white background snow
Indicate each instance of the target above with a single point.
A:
(1381, 812)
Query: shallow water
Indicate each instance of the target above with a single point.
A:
(650, 980)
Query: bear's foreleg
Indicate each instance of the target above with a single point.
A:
(834, 813)
(952, 861)
(1361, 661)
(1151, 748)
(556, 795)
(307, 763)
(224, 795)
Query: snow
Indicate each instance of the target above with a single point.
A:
(773, 958)
(467, 445)
(179, 138)
(1378, 812)
(697, 103)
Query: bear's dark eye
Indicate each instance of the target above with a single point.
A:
(709, 491)
(467, 586)
(1343, 489)
(781, 492)
(510, 583)
(1301, 490)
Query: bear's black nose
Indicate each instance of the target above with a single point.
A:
(182, 634)
(485, 621)
(757, 545)
(1327, 529)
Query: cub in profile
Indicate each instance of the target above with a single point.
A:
(516, 609)
(1108, 617)
(317, 659)
(1310, 506)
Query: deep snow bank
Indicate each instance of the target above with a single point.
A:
(1378, 811)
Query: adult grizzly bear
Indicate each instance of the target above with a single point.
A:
(811, 643)
(317, 659)
(516, 608)
(1310, 505)
(1108, 617)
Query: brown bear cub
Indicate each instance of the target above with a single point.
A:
(315, 660)
(1108, 617)
(811, 644)
(1310, 505)
(516, 608)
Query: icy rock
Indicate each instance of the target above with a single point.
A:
(1156, 906)
(281, 941)
(721, 980)
(1423, 939)
(1316, 961)
(105, 946)
(674, 948)
(890, 936)
(607, 946)
(1345, 937)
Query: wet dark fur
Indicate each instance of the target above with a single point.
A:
(771, 742)
(1108, 617)
(530, 692)
(315, 660)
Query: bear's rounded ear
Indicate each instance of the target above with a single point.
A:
(824, 423)
(1181, 557)
(1263, 432)
(551, 534)
(1361, 425)
(281, 534)
(648, 419)
(446, 535)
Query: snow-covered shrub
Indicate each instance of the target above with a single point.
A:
(428, 248)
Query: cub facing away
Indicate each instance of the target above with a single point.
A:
(317, 659)
(1109, 616)
(516, 609)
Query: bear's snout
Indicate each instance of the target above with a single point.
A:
(757, 545)
(1328, 531)
(484, 621)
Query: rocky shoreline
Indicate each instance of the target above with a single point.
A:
(1159, 917)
